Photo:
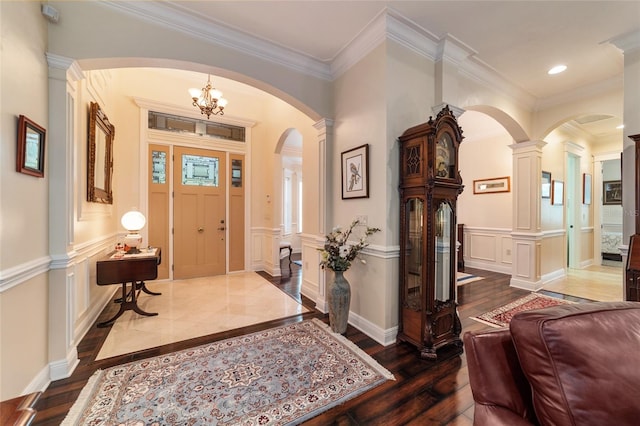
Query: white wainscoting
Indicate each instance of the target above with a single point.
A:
(312, 274)
(265, 250)
(488, 249)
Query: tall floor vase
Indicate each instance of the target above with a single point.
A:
(339, 298)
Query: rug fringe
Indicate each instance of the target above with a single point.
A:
(362, 354)
(486, 322)
(78, 407)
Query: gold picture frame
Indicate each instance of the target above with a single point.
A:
(99, 156)
(493, 185)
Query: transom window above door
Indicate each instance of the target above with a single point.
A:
(175, 123)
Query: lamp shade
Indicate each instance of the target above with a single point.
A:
(195, 93)
(133, 221)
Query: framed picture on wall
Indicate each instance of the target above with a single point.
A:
(611, 192)
(557, 192)
(487, 186)
(30, 153)
(355, 172)
(546, 185)
(586, 188)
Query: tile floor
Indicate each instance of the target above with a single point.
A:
(202, 306)
(198, 307)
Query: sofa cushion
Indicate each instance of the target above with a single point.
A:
(582, 361)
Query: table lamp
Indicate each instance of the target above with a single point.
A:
(133, 221)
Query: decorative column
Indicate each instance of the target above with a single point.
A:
(526, 235)
(314, 283)
(451, 53)
(63, 75)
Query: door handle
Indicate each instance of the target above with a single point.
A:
(201, 230)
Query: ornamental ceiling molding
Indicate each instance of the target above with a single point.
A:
(387, 25)
(217, 33)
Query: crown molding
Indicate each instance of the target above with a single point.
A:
(371, 36)
(172, 15)
(626, 42)
(412, 36)
(387, 25)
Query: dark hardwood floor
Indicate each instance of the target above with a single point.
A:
(424, 393)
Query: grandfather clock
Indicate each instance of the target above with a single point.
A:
(429, 187)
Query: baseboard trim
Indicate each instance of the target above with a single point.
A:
(63, 368)
(385, 337)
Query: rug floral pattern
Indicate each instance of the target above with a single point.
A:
(501, 316)
(279, 376)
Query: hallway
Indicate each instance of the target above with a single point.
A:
(601, 283)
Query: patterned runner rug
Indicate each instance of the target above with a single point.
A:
(501, 316)
(283, 375)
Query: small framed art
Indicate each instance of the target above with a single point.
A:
(586, 188)
(355, 172)
(611, 192)
(557, 192)
(488, 186)
(30, 154)
(546, 185)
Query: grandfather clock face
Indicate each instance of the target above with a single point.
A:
(445, 157)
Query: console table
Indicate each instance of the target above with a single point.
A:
(118, 268)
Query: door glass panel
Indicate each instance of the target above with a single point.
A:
(198, 170)
(443, 221)
(159, 161)
(413, 259)
(236, 173)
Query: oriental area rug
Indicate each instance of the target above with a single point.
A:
(501, 316)
(284, 375)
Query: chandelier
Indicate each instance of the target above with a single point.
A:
(208, 99)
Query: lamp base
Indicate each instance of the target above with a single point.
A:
(132, 250)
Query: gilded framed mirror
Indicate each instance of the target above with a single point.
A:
(99, 156)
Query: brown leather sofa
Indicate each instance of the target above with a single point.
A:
(564, 365)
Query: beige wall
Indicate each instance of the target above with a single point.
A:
(361, 119)
(24, 254)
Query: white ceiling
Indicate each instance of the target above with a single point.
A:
(519, 40)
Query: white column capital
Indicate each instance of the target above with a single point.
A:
(457, 111)
(528, 146)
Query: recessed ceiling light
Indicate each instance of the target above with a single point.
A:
(557, 69)
(620, 126)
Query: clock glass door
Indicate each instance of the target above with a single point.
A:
(445, 249)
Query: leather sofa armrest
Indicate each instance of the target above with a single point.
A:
(497, 381)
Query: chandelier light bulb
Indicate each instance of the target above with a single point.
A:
(215, 94)
(195, 93)
(222, 102)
